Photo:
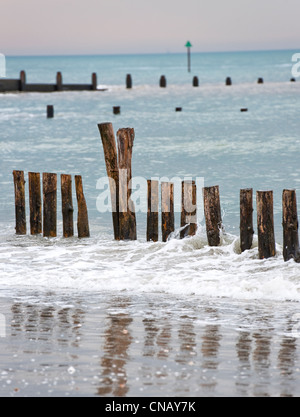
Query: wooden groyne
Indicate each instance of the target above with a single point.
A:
(43, 205)
(119, 170)
(21, 85)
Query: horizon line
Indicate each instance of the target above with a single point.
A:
(145, 53)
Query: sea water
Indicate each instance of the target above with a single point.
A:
(98, 317)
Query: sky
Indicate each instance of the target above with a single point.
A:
(40, 27)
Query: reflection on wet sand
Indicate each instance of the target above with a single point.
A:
(210, 353)
(117, 340)
(109, 351)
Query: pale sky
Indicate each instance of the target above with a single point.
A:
(35, 27)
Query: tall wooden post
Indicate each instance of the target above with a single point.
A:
(188, 209)
(167, 208)
(50, 205)
(19, 184)
(290, 226)
(163, 82)
(195, 82)
(82, 219)
(153, 208)
(111, 161)
(128, 81)
(59, 81)
(50, 111)
(94, 81)
(127, 219)
(212, 211)
(67, 205)
(265, 224)
(35, 203)
(22, 81)
(246, 219)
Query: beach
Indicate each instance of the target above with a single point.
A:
(96, 317)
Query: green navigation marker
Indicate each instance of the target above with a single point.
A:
(188, 46)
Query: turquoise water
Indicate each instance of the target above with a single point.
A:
(209, 139)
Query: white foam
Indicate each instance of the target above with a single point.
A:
(180, 267)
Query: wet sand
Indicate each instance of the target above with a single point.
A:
(146, 345)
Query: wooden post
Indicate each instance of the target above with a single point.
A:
(127, 219)
(195, 82)
(83, 219)
(153, 208)
(163, 82)
(228, 81)
(212, 211)
(22, 81)
(128, 81)
(111, 161)
(265, 224)
(19, 184)
(188, 209)
(50, 112)
(116, 110)
(246, 219)
(50, 205)
(290, 226)
(94, 81)
(67, 205)
(59, 81)
(35, 203)
(167, 208)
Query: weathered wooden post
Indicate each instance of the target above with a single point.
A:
(82, 219)
(167, 208)
(50, 112)
(246, 219)
(67, 205)
(265, 224)
(50, 205)
(19, 184)
(212, 212)
(59, 81)
(128, 81)
(153, 208)
(111, 161)
(228, 81)
(22, 81)
(35, 203)
(195, 82)
(290, 226)
(116, 110)
(94, 81)
(163, 82)
(188, 209)
(127, 219)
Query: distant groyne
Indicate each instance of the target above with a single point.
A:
(21, 85)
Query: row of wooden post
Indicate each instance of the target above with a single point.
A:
(118, 161)
(46, 223)
(163, 81)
